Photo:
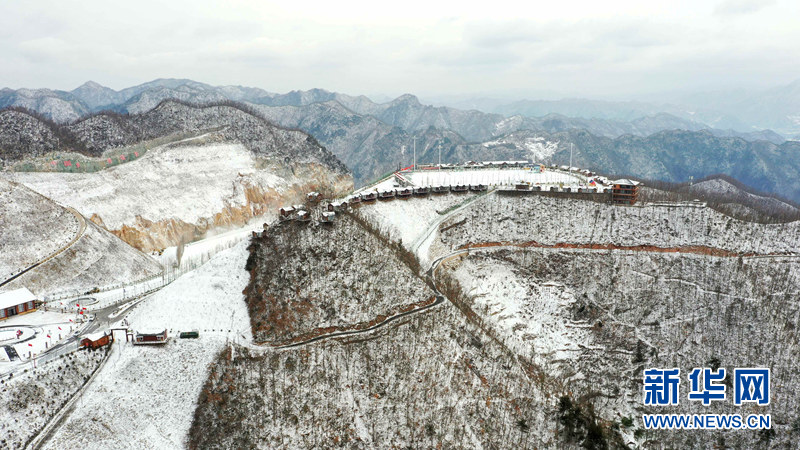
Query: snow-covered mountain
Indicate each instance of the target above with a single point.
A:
(238, 166)
(545, 331)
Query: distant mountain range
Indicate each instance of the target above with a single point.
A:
(775, 109)
(610, 119)
(370, 137)
(24, 135)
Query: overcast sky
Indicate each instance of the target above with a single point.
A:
(597, 49)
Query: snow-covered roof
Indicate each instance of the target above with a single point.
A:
(16, 297)
(301, 213)
(152, 331)
(96, 336)
(328, 214)
(625, 181)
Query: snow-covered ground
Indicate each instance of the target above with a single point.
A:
(31, 228)
(145, 396)
(408, 218)
(186, 182)
(202, 250)
(96, 259)
(30, 398)
(41, 330)
(174, 193)
(532, 315)
(488, 177)
(548, 220)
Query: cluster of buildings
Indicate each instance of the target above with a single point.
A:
(621, 191)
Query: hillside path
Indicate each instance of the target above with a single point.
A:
(78, 235)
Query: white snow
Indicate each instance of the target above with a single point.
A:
(487, 177)
(185, 182)
(533, 316)
(16, 297)
(47, 328)
(145, 396)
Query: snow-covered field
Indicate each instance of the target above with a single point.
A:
(488, 177)
(406, 219)
(185, 182)
(145, 396)
(181, 192)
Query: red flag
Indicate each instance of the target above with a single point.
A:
(70, 320)
(30, 345)
(76, 304)
(59, 328)
(81, 312)
(48, 335)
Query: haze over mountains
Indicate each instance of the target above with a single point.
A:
(663, 142)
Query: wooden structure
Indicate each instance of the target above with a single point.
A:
(422, 191)
(354, 199)
(18, 301)
(337, 206)
(405, 192)
(460, 188)
(369, 196)
(97, 340)
(194, 334)
(287, 213)
(624, 192)
(303, 216)
(150, 337)
(478, 187)
(441, 189)
(327, 217)
(313, 197)
(386, 194)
